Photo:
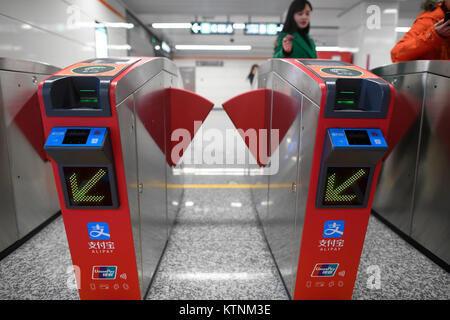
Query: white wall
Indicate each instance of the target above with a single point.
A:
(218, 84)
(50, 31)
(139, 40)
(354, 32)
(408, 12)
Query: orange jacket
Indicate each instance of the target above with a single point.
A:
(422, 42)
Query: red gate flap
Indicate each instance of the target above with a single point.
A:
(252, 110)
(29, 120)
(184, 108)
(404, 114)
(284, 112)
(249, 111)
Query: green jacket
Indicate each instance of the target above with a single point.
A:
(300, 48)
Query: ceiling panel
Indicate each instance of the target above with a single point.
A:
(217, 7)
(324, 20)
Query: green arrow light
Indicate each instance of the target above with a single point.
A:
(333, 194)
(79, 195)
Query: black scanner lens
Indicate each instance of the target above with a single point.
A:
(76, 136)
(357, 137)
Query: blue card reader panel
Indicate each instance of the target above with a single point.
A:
(357, 138)
(76, 137)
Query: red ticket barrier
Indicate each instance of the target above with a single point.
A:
(98, 116)
(332, 118)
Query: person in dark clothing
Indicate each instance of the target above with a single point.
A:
(252, 76)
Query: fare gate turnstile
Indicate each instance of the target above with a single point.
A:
(27, 190)
(329, 119)
(109, 125)
(413, 188)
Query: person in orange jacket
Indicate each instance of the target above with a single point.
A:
(429, 37)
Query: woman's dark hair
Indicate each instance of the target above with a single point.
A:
(430, 5)
(251, 75)
(290, 26)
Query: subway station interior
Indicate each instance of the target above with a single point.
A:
(224, 150)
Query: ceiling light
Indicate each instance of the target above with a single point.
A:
(212, 47)
(338, 49)
(390, 11)
(119, 47)
(239, 25)
(123, 25)
(402, 29)
(118, 25)
(171, 25)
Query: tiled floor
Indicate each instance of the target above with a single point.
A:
(41, 269)
(405, 273)
(217, 251)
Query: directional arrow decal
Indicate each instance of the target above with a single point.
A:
(79, 195)
(333, 194)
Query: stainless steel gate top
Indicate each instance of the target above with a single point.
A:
(437, 67)
(17, 65)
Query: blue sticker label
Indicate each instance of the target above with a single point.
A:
(98, 231)
(333, 229)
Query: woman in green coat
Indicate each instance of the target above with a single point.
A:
(294, 41)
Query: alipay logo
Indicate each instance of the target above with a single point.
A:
(98, 231)
(333, 229)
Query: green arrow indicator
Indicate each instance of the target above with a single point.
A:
(332, 194)
(79, 195)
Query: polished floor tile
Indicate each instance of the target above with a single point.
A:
(41, 269)
(239, 286)
(217, 251)
(404, 273)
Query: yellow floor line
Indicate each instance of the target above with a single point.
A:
(216, 186)
(226, 186)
